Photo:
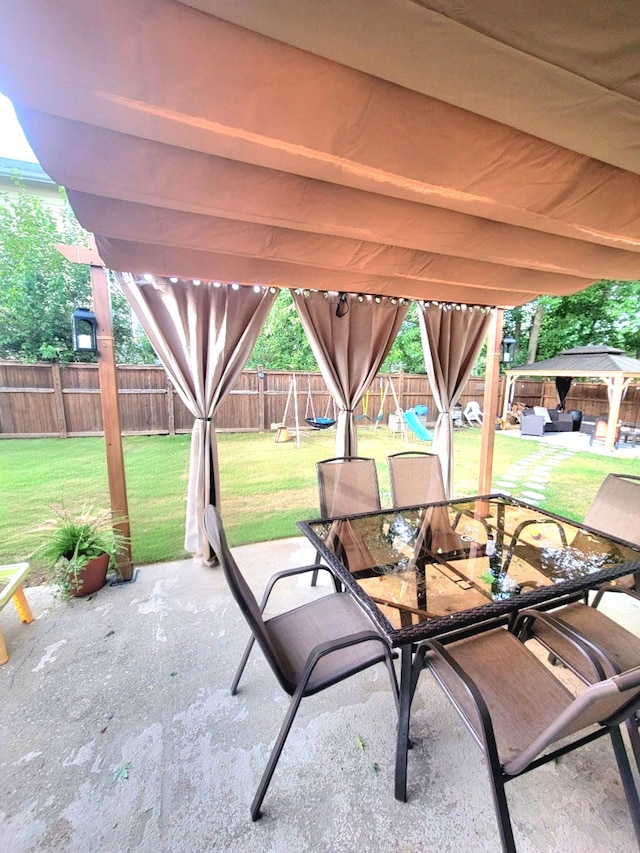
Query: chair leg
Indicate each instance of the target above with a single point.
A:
(626, 776)
(394, 682)
(634, 736)
(275, 754)
(501, 807)
(314, 576)
(404, 711)
(241, 666)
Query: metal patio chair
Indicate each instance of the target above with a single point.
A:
(616, 649)
(309, 648)
(415, 478)
(347, 485)
(517, 710)
(613, 510)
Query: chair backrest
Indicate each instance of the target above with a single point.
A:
(472, 411)
(607, 702)
(347, 485)
(543, 413)
(600, 428)
(614, 509)
(245, 599)
(415, 478)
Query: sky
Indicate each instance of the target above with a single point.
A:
(12, 140)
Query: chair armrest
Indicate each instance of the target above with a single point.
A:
(521, 527)
(329, 646)
(613, 588)
(532, 425)
(589, 651)
(287, 573)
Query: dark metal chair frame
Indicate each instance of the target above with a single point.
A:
(344, 641)
(619, 696)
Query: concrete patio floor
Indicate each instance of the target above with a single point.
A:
(119, 734)
(577, 442)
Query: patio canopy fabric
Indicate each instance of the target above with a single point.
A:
(451, 341)
(203, 336)
(608, 364)
(481, 152)
(350, 337)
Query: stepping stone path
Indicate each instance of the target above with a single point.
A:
(527, 478)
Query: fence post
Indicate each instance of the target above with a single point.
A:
(171, 414)
(262, 415)
(59, 401)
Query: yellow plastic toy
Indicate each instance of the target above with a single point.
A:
(11, 582)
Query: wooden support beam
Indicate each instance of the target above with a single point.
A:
(490, 402)
(111, 412)
(108, 393)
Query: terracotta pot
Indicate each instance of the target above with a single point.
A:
(94, 576)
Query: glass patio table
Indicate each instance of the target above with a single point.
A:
(454, 568)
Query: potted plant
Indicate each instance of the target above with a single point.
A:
(79, 550)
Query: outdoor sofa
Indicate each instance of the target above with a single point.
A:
(538, 421)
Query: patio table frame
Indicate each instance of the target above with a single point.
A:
(467, 621)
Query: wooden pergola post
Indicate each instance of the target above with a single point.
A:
(108, 395)
(490, 402)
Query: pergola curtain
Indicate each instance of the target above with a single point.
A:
(203, 334)
(452, 336)
(350, 335)
(563, 386)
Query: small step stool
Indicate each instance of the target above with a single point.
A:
(11, 580)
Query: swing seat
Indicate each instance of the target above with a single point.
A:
(320, 423)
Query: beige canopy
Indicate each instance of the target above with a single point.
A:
(481, 152)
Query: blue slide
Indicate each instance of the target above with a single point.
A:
(411, 420)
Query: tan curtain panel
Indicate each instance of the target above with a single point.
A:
(452, 336)
(350, 335)
(203, 335)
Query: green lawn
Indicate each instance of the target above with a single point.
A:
(266, 487)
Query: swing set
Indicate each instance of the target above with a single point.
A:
(282, 433)
(384, 390)
(313, 421)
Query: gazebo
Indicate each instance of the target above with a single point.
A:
(467, 156)
(607, 364)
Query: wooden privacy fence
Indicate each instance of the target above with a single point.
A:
(50, 400)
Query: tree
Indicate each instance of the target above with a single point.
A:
(39, 289)
(282, 344)
(406, 353)
(605, 313)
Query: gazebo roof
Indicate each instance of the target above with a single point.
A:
(598, 360)
(479, 152)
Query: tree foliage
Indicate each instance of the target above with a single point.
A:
(39, 288)
(608, 312)
(406, 353)
(282, 343)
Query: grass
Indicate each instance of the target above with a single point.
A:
(266, 487)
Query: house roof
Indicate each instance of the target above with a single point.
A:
(599, 360)
(23, 169)
(482, 152)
